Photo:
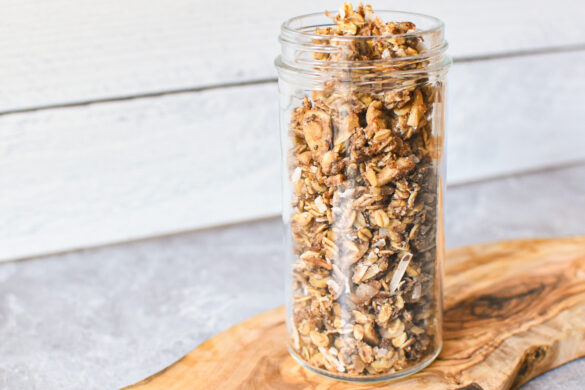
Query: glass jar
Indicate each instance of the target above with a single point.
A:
(362, 131)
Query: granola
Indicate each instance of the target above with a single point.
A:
(363, 168)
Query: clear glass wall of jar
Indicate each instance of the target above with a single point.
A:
(362, 130)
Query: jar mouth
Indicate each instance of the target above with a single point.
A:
(295, 25)
(301, 46)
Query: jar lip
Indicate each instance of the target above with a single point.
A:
(286, 69)
(286, 26)
(366, 64)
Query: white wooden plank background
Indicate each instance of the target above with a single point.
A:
(515, 114)
(89, 175)
(63, 51)
(86, 176)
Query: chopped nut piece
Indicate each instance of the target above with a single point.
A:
(370, 334)
(417, 110)
(356, 251)
(327, 161)
(399, 302)
(317, 131)
(365, 292)
(384, 313)
(396, 170)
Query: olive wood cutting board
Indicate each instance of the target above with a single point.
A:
(513, 310)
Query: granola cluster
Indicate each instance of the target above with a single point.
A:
(363, 167)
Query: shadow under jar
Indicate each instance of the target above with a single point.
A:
(362, 131)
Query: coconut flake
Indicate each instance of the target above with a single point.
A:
(296, 175)
(380, 243)
(320, 204)
(333, 360)
(347, 193)
(399, 272)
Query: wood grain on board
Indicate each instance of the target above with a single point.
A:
(513, 310)
(63, 51)
(91, 175)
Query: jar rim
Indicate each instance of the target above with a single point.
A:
(299, 43)
(286, 26)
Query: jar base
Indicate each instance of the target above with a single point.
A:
(367, 379)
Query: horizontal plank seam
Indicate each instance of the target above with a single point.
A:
(142, 238)
(520, 172)
(521, 53)
(468, 59)
(140, 96)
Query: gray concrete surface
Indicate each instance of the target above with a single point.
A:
(108, 317)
